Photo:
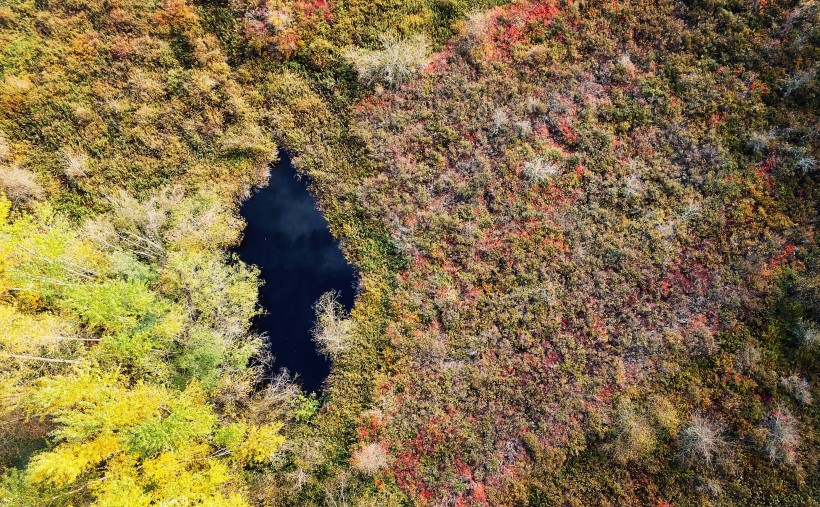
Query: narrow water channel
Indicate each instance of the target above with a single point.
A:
(288, 238)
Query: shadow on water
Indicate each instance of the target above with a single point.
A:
(288, 238)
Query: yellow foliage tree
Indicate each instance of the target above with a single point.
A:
(140, 444)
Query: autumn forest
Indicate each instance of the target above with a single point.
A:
(584, 235)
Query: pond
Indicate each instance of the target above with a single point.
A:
(288, 238)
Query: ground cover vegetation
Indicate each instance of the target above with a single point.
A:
(585, 233)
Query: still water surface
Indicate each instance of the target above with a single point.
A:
(288, 239)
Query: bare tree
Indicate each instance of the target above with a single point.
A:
(5, 149)
(19, 184)
(76, 163)
(477, 25)
(799, 388)
(370, 458)
(133, 225)
(702, 439)
(783, 436)
(540, 170)
(392, 65)
(332, 331)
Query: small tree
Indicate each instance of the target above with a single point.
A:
(392, 65)
(332, 330)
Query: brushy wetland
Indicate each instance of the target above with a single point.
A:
(583, 236)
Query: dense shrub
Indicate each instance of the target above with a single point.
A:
(589, 217)
(132, 95)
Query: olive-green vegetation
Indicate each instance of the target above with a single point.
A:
(585, 233)
(129, 95)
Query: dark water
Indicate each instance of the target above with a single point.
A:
(288, 239)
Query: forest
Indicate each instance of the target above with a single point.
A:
(584, 233)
